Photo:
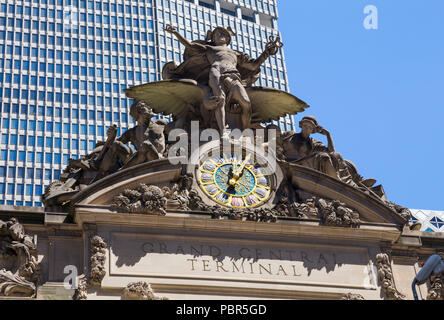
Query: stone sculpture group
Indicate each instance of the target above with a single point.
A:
(213, 85)
(210, 85)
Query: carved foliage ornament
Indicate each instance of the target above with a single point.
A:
(98, 259)
(97, 265)
(403, 212)
(385, 276)
(436, 291)
(143, 199)
(154, 200)
(81, 292)
(336, 213)
(352, 296)
(18, 257)
(139, 291)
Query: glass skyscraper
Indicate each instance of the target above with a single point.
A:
(64, 65)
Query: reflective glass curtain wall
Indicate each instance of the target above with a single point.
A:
(64, 65)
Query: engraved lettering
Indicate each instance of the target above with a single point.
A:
(148, 247)
(334, 259)
(180, 250)
(215, 252)
(294, 272)
(322, 258)
(304, 256)
(281, 269)
(197, 252)
(251, 268)
(265, 269)
(220, 265)
(163, 247)
(242, 255)
(273, 255)
(192, 263)
(206, 265)
(237, 269)
(258, 254)
(290, 254)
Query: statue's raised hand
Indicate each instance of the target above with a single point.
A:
(273, 45)
(170, 29)
(112, 132)
(322, 131)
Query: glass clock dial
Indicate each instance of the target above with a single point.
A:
(234, 180)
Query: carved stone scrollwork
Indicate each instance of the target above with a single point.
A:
(18, 257)
(385, 277)
(352, 296)
(336, 213)
(436, 291)
(139, 291)
(143, 199)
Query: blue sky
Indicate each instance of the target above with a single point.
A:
(379, 92)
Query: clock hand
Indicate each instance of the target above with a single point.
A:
(247, 159)
(237, 174)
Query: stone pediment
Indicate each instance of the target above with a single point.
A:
(370, 208)
(113, 194)
(101, 193)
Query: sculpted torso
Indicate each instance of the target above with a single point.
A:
(297, 147)
(222, 57)
(152, 133)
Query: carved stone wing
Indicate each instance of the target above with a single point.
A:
(271, 104)
(171, 97)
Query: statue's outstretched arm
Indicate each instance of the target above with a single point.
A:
(271, 49)
(196, 46)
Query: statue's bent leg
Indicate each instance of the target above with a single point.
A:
(117, 151)
(325, 165)
(147, 152)
(240, 95)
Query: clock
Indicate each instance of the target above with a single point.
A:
(235, 180)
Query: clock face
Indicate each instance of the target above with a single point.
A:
(234, 180)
